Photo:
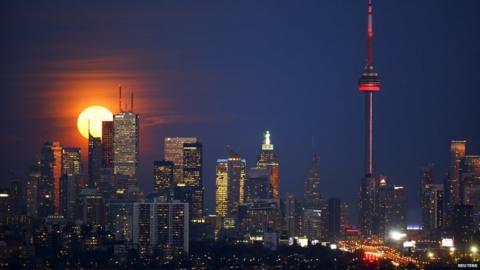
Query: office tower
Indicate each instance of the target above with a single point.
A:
(314, 224)
(221, 187)
(125, 146)
(236, 179)
(163, 177)
(334, 218)
(94, 160)
(161, 224)
(433, 209)
(369, 83)
(258, 184)
(452, 183)
(391, 209)
(173, 147)
(312, 196)
(107, 144)
(268, 159)
(70, 181)
(293, 216)
(463, 227)
(193, 176)
(34, 177)
(92, 207)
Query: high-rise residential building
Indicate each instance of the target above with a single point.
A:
(293, 216)
(120, 218)
(163, 177)
(433, 209)
(126, 146)
(94, 160)
(260, 216)
(221, 188)
(369, 83)
(268, 159)
(470, 182)
(107, 144)
(391, 209)
(173, 148)
(312, 196)
(161, 224)
(258, 184)
(426, 180)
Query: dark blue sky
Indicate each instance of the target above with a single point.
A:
(225, 71)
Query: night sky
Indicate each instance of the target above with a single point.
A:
(225, 71)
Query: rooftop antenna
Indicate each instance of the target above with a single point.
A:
(120, 97)
(131, 101)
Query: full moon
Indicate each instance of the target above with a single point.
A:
(93, 116)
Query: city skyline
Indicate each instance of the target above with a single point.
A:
(423, 136)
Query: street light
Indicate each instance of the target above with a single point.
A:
(430, 255)
(474, 249)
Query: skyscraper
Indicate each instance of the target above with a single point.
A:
(293, 216)
(94, 160)
(236, 179)
(193, 178)
(334, 218)
(268, 159)
(46, 184)
(57, 173)
(34, 178)
(163, 177)
(173, 147)
(70, 180)
(426, 180)
(452, 183)
(107, 144)
(470, 182)
(125, 146)
(221, 188)
(369, 83)
(433, 209)
(312, 196)
(391, 209)
(258, 184)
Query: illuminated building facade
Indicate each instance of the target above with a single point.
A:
(71, 161)
(161, 224)
(221, 188)
(426, 180)
(193, 177)
(268, 159)
(125, 146)
(56, 149)
(369, 83)
(293, 216)
(312, 196)
(34, 178)
(46, 187)
(470, 183)
(92, 207)
(173, 148)
(163, 177)
(107, 144)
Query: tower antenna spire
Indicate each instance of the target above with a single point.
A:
(120, 97)
(131, 101)
(370, 34)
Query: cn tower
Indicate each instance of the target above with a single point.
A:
(369, 83)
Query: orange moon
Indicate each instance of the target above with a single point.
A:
(93, 116)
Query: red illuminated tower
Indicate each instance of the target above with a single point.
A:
(368, 83)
